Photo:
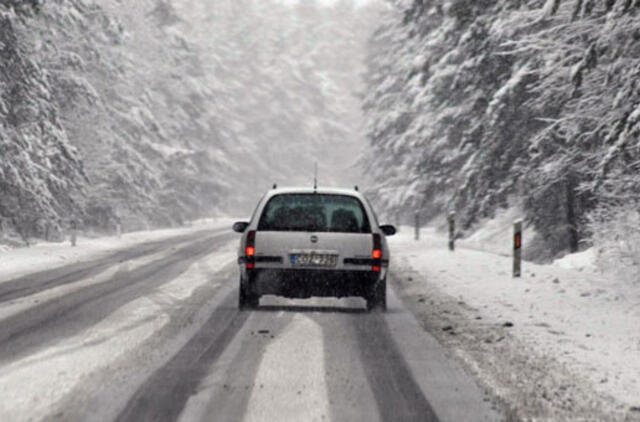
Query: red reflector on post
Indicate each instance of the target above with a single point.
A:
(377, 254)
(250, 251)
(518, 240)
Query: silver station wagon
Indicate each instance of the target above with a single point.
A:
(304, 242)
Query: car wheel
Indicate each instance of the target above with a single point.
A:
(247, 300)
(377, 298)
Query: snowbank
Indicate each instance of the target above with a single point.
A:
(565, 310)
(585, 260)
(496, 234)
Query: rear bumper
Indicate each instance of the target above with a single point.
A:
(307, 283)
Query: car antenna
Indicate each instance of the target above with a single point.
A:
(356, 188)
(275, 186)
(315, 176)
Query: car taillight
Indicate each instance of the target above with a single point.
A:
(377, 252)
(250, 249)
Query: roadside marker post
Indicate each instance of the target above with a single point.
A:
(118, 221)
(417, 228)
(452, 230)
(517, 248)
(73, 232)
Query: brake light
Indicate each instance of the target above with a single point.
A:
(250, 249)
(377, 252)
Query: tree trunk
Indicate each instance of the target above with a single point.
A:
(572, 224)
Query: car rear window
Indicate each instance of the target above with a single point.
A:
(314, 212)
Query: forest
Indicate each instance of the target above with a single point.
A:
(474, 106)
(159, 112)
(162, 112)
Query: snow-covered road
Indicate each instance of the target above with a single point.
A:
(60, 329)
(147, 328)
(151, 331)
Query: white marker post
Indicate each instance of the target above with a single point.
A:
(517, 248)
(452, 230)
(73, 237)
(417, 228)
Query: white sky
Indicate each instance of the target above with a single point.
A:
(357, 2)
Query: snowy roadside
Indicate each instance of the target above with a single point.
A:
(560, 343)
(48, 255)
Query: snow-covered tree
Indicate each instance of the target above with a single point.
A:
(41, 174)
(477, 104)
(161, 109)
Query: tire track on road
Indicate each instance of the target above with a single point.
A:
(67, 315)
(397, 393)
(163, 396)
(30, 284)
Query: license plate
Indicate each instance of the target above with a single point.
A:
(313, 259)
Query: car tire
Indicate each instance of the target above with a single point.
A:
(247, 300)
(377, 299)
